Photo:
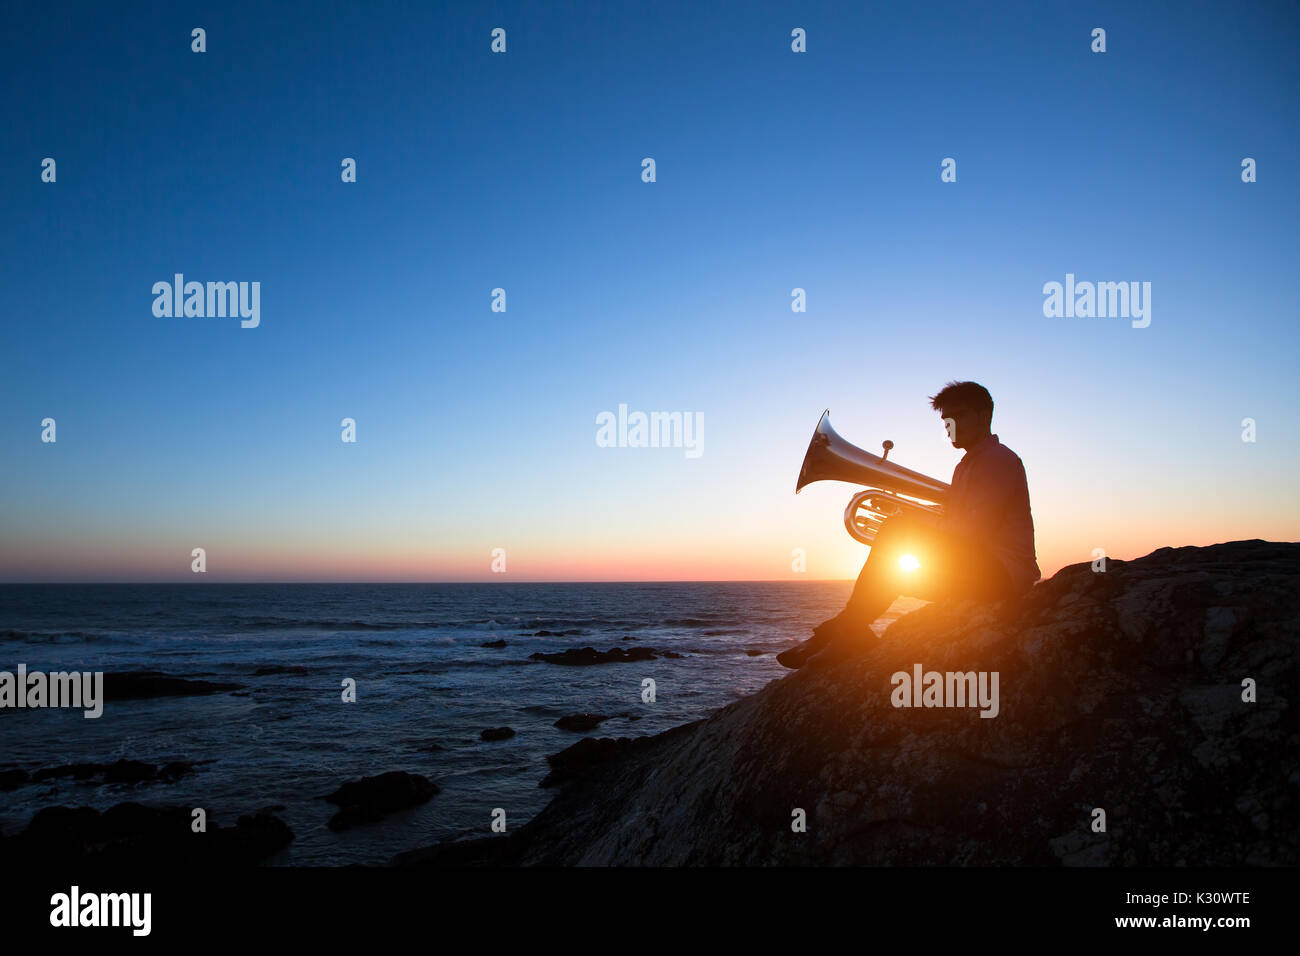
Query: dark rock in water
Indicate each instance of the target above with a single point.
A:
(77, 771)
(1119, 690)
(755, 653)
(257, 835)
(581, 722)
(589, 655)
(373, 798)
(500, 642)
(133, 835)
(12, 779)
(672, 655)
(123, 771)
(129, 771)
(62, 832)
(497, 733)
(569, 633)
(279, 669)
(140, 685)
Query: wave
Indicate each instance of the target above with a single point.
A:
(537, 627)
(12, 635)
(289, 623)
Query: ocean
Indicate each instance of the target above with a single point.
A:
(425, 686)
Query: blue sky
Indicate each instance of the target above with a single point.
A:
(775, 170)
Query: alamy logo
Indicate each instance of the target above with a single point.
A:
(215, 300)
(653, 430)
(950, 689)
(1101, 300)
(58, 689)
(102, 909)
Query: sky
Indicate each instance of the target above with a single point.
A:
(774, 170)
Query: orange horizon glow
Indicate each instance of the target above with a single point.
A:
(250, 564)
(733, 518)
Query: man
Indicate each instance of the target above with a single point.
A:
(980, 549)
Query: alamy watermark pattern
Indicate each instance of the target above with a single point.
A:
(651, 430)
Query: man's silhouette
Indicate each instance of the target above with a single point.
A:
(981, 548)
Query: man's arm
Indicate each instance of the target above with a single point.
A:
(991, 488)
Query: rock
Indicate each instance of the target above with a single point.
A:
(77, 771)
(129, 771)
(373, 798)
(672, 655)
(122, 771)
(755, 653)
(175, 769)
(571, 762)
(497, 733)
(131, 835)
(13, 779)
(141, 685)
(576, 761)
(581, 722)
(257, 835)
(500, 642)
(1119, 690)
(587, 656)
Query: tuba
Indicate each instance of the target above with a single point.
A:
(901, 491)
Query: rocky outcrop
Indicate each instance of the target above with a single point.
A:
(122, 771)
(142, 685)
(581, 722)
(373, 798)
(1159, 692)
(586, 656)
(130, 835)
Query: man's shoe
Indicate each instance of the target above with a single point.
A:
(841, 649)
(848, 642)
(823, 634)
(795, 657)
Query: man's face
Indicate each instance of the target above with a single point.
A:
(965, 426)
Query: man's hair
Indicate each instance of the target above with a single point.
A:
(970, 395)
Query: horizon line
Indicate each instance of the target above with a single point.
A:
(486, 581)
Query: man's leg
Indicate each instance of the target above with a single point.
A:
(972, 571)
(876, 589)
(921, 561)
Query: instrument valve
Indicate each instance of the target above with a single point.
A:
(887, 445)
